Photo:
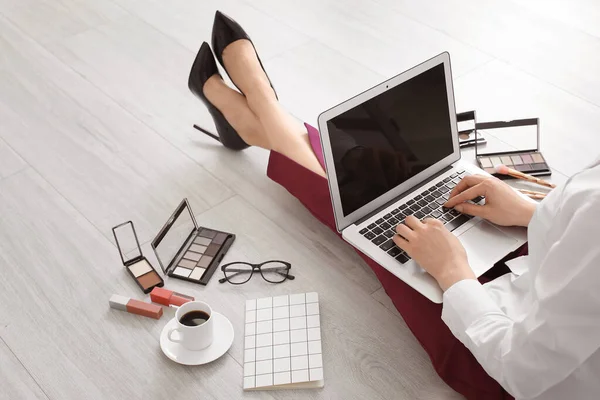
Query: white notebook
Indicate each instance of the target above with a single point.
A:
(282, 343)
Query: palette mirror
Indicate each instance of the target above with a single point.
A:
(138, 267)
(512, 143)
(188, 251)
(466, 129)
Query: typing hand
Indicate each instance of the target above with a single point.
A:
(503, 206)
(436, 250)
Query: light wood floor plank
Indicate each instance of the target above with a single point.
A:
(583, 15)
(560, 54)
(371, 35)
(50, 20)
(190, 23)
(15, 381)
(109, 165)
(10, 162)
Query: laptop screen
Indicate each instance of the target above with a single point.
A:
(390, 138)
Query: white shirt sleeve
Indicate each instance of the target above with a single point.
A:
(562, 329)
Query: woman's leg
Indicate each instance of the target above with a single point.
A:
(281, 132)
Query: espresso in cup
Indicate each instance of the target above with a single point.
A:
(194, 318)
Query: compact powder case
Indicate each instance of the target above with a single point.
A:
(138, 266)
(529, 161)
(466, 122)
(188, 251)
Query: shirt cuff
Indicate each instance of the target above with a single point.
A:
(464, 303)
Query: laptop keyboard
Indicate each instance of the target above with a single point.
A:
(428, 204)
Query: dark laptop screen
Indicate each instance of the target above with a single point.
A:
(383, 142)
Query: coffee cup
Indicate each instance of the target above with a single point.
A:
(194, 329)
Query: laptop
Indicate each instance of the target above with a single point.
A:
(393, 151)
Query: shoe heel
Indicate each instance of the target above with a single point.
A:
(203, 68)
(212, 135)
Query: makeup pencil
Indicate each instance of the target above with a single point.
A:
(504, 170)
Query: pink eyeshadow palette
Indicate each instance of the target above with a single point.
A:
(187, 251)
(530, 161)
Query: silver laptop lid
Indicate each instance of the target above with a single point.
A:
(386, 140)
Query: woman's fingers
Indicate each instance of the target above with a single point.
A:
(413, 222)
(401, 242)
(467, 182)
(472, 209)
(469, 194)
(405, 232)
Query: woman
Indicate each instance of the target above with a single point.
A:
(535, 330)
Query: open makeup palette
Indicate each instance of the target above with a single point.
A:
(137, 265)
(466, 122)
(188, 251)
(512, 143)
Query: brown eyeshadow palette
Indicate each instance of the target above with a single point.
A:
(138, 267)
(529, 161)
(187, 251)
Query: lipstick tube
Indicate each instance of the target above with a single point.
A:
(134, 306)
(168, 297)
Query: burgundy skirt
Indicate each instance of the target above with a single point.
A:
(453, 362)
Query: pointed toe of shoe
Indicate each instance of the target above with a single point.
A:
(204, 67)
(225, 31)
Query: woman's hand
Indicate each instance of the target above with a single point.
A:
(436, 250)
(503, 206)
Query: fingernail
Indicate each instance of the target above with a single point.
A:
(458, 208)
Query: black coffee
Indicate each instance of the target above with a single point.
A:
(194, 318)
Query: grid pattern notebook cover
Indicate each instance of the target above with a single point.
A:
(282, 343)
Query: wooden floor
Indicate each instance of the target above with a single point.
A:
(95, 129)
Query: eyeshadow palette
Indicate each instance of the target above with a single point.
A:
(530, 161)
(138, 266)
(187, 251)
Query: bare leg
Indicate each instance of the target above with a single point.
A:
(280, 131)
(235, 109)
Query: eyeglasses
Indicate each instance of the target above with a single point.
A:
(273, 271)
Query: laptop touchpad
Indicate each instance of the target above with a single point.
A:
(485, 246)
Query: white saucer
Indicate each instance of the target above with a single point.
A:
(223, 338)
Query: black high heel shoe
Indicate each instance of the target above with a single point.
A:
(203, 68)
(226, 31)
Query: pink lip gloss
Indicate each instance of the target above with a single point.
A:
(169, 298)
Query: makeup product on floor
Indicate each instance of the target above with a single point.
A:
(169, 298)
(138, 266)
(466, 129)
(512, 143)
(188, 251)
(134, 306)
(504, 170)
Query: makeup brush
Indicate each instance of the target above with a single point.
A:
(533, 195)
(504, 170)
